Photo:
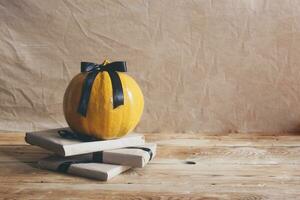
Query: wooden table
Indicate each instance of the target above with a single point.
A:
(188, 166)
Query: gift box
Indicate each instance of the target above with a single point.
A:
(82, 165)
(101, 165)
(64, 143)
(134, 156)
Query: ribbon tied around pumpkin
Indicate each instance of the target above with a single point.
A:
(93, 69)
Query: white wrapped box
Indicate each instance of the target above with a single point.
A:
(64, 146)
(137, 156)
(82, 165)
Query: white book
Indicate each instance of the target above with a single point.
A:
(52, 141)
(82, 165)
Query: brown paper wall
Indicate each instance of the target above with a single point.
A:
(207, 65)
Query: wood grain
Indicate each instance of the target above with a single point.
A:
(187, 166)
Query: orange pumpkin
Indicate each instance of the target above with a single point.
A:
(102, 120)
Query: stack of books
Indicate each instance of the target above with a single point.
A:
(96, 159)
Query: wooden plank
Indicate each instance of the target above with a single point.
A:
(188, 139)
(225, 166)
(75, 191)
(258, 175)
(166, 154)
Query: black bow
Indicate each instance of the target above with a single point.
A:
(93, 69)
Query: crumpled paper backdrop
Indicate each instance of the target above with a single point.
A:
(207, 65)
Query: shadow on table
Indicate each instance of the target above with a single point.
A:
(293, 130)
(26, 154)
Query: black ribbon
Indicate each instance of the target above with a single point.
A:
(93, 69)
(72, 135)
(64, 167)
(98, 156)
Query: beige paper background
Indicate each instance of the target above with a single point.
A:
(207, 65)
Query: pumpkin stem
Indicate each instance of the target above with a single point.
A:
(105, 62)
